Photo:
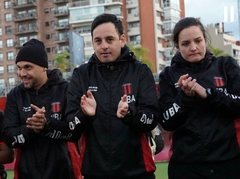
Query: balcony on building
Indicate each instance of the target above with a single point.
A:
(63, 39)
(60, 1)
(89, 17)
(22, 4)
(20, 31)
(91, 3)
(18, 45)
(135, 43)
(61, 26)
(61, 13)
(61, 50)
(25, 17)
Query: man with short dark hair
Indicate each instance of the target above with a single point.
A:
(118, 105)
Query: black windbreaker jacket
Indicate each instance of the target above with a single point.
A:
(37, 156)
(204, 130)
(113, 147)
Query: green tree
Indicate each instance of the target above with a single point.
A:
(141, 53)
(217, 51)
(62, 62)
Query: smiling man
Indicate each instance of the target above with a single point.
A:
(36, 155)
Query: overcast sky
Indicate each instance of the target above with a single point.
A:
(215, 11)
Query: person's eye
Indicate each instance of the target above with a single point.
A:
(185, 44)
(97, 41)
(199, 40)
(110, 40)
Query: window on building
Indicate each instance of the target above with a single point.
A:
(64, 48)
(1, 69)
(101, 1)
(9, 42)
(32, 37)
(10, 68)
(161, 67)
(134, 11)
(62, 9)
(88, 43)
(7, 4)
(48, 50)
(22, 40)
(47, 36)
(52, 10)
(21, 14)
(11, 81)
(22, 27)
(1, 44)
(0, 31)
(160, 54)
(10, 56)
(8, 30)
(115, 10)
(159, 40)
(1, 81)
(46, 10)
(8, 17)
(63, 22)
(63, 36)
(54, 49)
(32, 12)
(83, 29)
(135, 39)
(32, 26)
(53, 36)
(133, 24)
(47, 24)
(52, 23)
(1, 57)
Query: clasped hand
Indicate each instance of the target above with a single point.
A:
(38, 120)
(191, 87)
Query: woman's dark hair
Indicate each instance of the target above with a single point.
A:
(185, 23)
(105, 18)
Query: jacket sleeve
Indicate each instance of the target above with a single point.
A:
(227, 99)
(75, 121)
(143, 115)
(15, 134)
(173, 102)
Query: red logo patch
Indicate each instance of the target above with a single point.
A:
(219, 81)
(56, 107)
(127, 88)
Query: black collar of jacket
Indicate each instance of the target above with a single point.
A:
(180, 61)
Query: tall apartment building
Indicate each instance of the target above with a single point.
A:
(223, 40)
(22, 20)
(147, 23)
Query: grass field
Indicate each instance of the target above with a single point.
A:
(161, 172)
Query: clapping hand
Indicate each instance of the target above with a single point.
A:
(122, 107)
(88, 104)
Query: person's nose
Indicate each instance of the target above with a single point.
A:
(193, 47)
(104, 45)
(22, 72)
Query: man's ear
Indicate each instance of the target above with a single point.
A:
(123, 40)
